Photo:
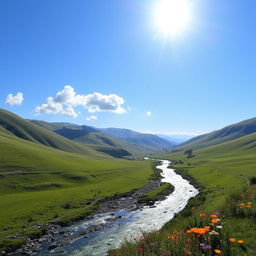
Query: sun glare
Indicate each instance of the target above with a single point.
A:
(171, 17)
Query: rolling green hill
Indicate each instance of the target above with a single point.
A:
(39, 183)
(228, 133)
(145, 142)
(21, 128)
(102, 139)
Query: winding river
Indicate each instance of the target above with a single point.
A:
(114, 233)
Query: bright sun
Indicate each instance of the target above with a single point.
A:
(171, 17)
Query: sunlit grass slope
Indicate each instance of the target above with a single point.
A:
(222, 172)
(17, 126)
(226, 134)
(40, 183)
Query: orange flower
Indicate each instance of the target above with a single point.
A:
(202, 215)
(169, 237)
(193, 208)
(232, 240)
(214, 216)
(249, 206)
(242, 205)
(217, 251)
(240, 241)
(214, 221)
(207, 228)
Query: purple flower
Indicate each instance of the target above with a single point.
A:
(216, 213)
(202, 244)
(207, 246)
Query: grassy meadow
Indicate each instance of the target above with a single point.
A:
(43, 184)
(222, 173)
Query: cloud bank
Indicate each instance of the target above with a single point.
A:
(65, 101)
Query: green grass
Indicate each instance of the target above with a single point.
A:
(38, 182)
(225, 134)
(221, 171)
(16, 126)
(163, 190)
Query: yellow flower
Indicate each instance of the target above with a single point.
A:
(217, 251)
(240, 241)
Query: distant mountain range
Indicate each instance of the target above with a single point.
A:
(131, 141)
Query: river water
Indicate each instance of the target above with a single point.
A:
(130, 226)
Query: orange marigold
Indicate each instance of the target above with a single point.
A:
(218, 251)
(202, 215)
(214, 216)
(232, 240)
(240, 241)
(207, 228)
(214, 221)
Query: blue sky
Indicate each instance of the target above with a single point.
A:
(199, 81)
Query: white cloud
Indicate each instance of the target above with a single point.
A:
(91, 118)
(14, 99)
(67, 99)
(149, 113)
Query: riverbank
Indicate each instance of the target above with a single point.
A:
(54, 236)
(223, 191)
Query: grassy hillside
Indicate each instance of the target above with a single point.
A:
(228, 133)
(222, 172)
(136, 144)
(39, 183)
(15, 125)
(145, 142)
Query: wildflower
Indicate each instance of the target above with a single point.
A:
(207, 246)
(193, 208)
(188, 240)
(214, 221)
(232, 240)
(202, 215)
(219, 227)
(242, 205)
(217, 251)
(249, 206)
(207, 228)
(140, 249)
(213, 233)
(214, 216)
(240, 241)
(202, 244)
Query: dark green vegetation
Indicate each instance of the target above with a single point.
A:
(45, 177)
(164, 189)
(224, 172)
